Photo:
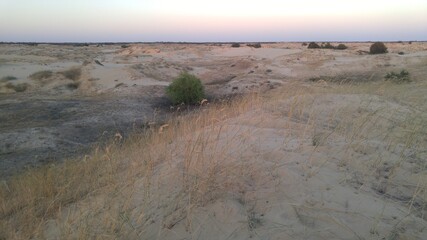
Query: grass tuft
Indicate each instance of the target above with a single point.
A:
(41, 75)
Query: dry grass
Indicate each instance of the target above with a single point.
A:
(146, 185)
(72, 74)
(21, 87)
(41, 75)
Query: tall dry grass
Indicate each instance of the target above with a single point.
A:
(146, 185)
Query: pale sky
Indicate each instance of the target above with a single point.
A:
(212, 21)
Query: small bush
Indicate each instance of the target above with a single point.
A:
(255, 45)
(72, 74)
(41, 75)
(18, 87)
(235, 45)
(8, 78)
(304, 44)
(341, 46)
(313, 45)
(378, 48)
(401, 77)
(187, 89)
(328, 46)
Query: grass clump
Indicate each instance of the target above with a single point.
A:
(235, 45)
(401, 77)
(254, 45)
(72, 74)
(41, 75)
(18, 87)
(313, 45)
(341, 47)
(8, 78)
(378, 48)
(187, 89)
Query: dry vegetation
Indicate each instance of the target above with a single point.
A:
(246, 158)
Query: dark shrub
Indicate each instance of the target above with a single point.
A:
(72, 74)
(328, 46)
(313, 45)
(255, 45)
(41, 75)
(18, 87)
(187, 89)
(235, 45)
(8, 78)
(304, 44)
(378, 48)
(401, 77)
(341, 46)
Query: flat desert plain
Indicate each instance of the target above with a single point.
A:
(314, 143)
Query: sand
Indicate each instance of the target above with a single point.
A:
(337, 161)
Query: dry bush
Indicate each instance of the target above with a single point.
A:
(8, 78)
(235, 45)
(72, 74)
(313, 45)
(341, 46)
(41, 75)
(378, 48)
(21, 87)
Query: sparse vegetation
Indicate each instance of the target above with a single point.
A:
(313, 45)
(187, 89)
(8, 78)
(304, 44)
(341, 46)
(41, 75)
(401, 77)
(328, 45)
(235, 45)
(72, 74)
(378, 48)
(21, 87)
(73, 85)
(254, 45)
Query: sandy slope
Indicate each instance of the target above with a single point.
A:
(313, 159)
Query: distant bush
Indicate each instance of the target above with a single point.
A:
(313, 45)
(378, 48)
(41, 75)
(235, 45)
(341, 46)
(18, 87)
(401, 77)
(328, 46)
(187, 89)
(72, 74)
(8, 78)
(304, 44)
(255, 45)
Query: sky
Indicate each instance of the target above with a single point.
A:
(212, 21)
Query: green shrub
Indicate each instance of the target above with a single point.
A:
(235, 45)
(41, 75)
(401, 77)
(313, 45)
(187, 89)
(72, 74)
(8, 78)
(378, 48)
(341, 46)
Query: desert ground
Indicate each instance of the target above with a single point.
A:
(294, 143)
